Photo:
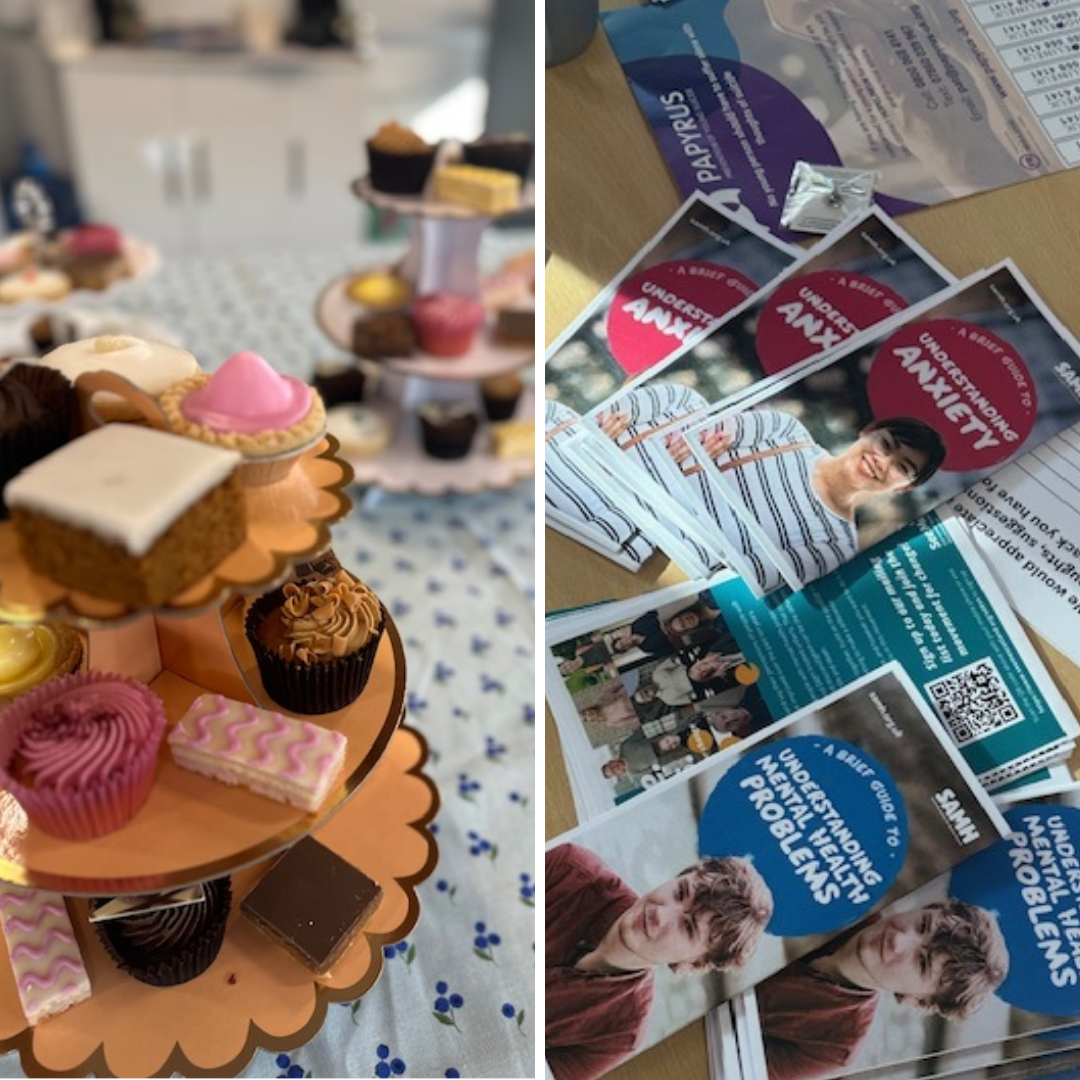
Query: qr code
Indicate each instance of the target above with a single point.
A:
(974, 702)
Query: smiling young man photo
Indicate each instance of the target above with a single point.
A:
(946, 958)
(797, 494)
(603, 942)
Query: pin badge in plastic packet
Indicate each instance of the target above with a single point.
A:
(819, 197)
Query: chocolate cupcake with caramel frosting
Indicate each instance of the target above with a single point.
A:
(315, 641)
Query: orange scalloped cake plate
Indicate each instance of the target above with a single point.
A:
(254, 994)
(193, 827)
(287, 521)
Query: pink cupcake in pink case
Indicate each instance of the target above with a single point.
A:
(79, 752)
(270, 418)
(446, 323)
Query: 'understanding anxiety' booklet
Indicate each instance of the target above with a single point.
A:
(864, 272)
(796, 480)
(660, 909)
(700, 266)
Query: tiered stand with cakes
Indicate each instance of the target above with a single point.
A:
(255, 994)
(443, 255)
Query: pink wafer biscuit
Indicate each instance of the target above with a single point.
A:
(277, 756)
(45, 957)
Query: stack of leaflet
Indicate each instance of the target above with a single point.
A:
(621, 686)
(842, 780)
(799, 833)
(858, 388)
(833, 695)
(1027, 1027)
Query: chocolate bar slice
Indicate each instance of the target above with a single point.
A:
(313, 903)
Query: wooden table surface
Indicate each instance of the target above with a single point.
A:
(607, 193)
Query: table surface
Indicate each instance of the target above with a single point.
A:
(456, 572)
(608, 192)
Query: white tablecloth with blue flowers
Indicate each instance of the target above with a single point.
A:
(456, 998)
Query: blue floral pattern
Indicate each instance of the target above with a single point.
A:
(457, 575)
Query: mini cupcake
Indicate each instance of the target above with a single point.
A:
(79, 753)
(150, 366)
(315, 641)
(39, 413)
(501, 394)
(30, 655)
(446, 323)
(447, 428)
(362, 431)
(171, 945)
(248, 406)
(337, 383)
(511, 153)
(93, 256)
(399, 160)
(92, 239)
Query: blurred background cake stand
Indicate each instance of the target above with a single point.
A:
(444, 246)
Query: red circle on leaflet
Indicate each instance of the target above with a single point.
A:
(816, 312)
(965, 382)
(653, 312)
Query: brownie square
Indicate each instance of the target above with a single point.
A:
(313, 903)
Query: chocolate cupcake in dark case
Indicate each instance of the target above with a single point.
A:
(172, 945)
(447, 429)
(512, 153)
(500, 395)
(311, 684)
(339, 383)
(399, 160)
(38, 414)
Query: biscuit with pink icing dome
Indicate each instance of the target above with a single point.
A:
(286, 759)
(247, 405)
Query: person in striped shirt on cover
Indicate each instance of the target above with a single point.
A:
(787, 501)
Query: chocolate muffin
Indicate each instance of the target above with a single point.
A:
(399, 160)
(172, 945)
(38, 414)
(512, 153)
(500, 394)
(339, 384)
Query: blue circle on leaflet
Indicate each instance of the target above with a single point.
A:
(1031, 882)
(823, 822)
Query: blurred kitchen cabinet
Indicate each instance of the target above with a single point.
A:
(208, 156)
(125, 155)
